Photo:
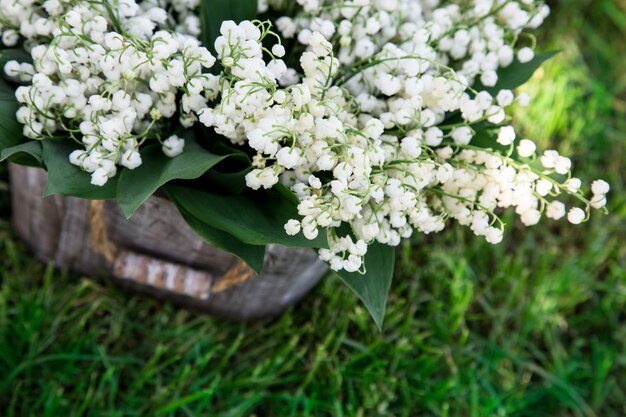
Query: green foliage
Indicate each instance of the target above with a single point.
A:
(227, 182)
(517, 73)
(373, 286)
(228, 177)
(10, 129)
(14, 54)
(137, 185)
(214, 12)
(253, 255)
(28, 153)
(256, 218)
(67, 179)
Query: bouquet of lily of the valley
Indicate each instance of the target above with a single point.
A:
(340, 125)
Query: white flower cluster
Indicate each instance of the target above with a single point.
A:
(107, 77)
(379, 135)
(384, 125)
(478, 36)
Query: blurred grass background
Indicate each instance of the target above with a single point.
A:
(535, 326)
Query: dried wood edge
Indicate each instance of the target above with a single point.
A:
(151, 271)
(237, 275)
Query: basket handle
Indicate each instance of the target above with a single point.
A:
(148, 270)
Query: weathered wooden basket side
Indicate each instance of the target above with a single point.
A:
(155, 253)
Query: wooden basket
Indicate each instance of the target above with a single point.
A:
(155, 252)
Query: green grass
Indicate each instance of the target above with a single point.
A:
(532, 327)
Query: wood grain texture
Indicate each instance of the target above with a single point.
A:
(159, 254)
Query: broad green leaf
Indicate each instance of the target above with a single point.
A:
(229, 176)
(214, 12)
(287, 193)
(29, 153)
(256, 219)
(219, 144)
(253, 255)
(67, 179)
(14, 54)
(517, 73)
(10, 129)
(373, 286)
(136, 185)
(485, 137)
(226, 182)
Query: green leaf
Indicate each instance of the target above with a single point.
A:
(113, 16)
(373, 286)
(517, 73)
(14, 54)
(253, 255)
(67, 179)
(227, 182)
(214, 12)
(219, 144)
(229, 176)
(136, 185)
(287, 193)
(256, 219)
(10, 128)
(29, 153)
